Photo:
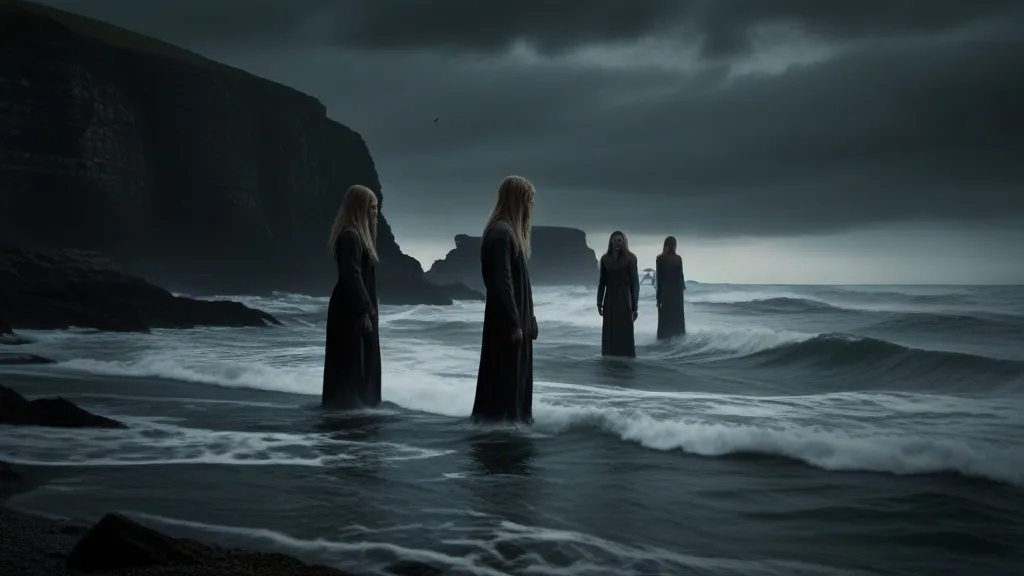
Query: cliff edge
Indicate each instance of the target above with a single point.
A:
(198, 176)
(561, 257)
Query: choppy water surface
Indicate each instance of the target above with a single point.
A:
(794, 430)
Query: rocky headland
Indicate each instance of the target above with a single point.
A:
(561, 257)
(200, 177)
(58, 289)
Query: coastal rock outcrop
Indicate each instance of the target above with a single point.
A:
(21, 359)
(17, 410)
(561, 257)
(117, 543)
(198, 176)
(56, 289)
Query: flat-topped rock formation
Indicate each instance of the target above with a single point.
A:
(561, 257)
(198, 176)
(56, 289)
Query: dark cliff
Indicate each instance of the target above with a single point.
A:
(561, 257)
(198, 176)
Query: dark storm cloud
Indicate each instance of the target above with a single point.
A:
(723, 26)
(898, 130)
(918, 119)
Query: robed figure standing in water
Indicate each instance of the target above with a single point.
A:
(504, 383)
(352, 359)
(669, 291)
(618, 296)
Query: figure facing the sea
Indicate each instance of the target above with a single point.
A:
(352, 357)
(504, 383)
(669, 291)
(618, 295)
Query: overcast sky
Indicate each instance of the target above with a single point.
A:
(820, 141)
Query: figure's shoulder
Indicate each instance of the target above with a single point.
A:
(349, 237)
(498, 232)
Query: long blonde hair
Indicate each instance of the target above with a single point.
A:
(611, 258)
(514, 207)
(354, 214)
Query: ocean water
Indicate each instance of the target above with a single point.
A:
(793, 431)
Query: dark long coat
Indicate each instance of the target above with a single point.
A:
(504, 383)
(669, 289)
(352, 357)
(618, 292)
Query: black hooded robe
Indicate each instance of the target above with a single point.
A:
(504, 383)
(669, 290)
(352, 355)
(618, 292)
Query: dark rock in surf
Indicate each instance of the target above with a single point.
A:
(15, 359)
(117, 543)
(17, 410)
(7, 474)
(58, 289)
(10, 480)
(561, 257)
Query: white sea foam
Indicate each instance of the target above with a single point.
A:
(151, 441)
(877, 430)
(487, 540)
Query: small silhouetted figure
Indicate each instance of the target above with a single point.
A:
(504, 383)
(618, 294)
(352, 358)
(669, 291)
(648, 275)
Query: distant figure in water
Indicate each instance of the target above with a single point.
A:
(352, 358)
(504, 382)
(618, 294)
(669, 291)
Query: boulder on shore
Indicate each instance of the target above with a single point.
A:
(58, 289)
(17, 410)
(119, 543)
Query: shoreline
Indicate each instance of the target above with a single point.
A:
(36, 544)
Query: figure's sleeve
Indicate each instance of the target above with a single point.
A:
(499, 251)
(634, 282)
(682, 277)
(602, 282)
(349, 253)
(657, 285)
